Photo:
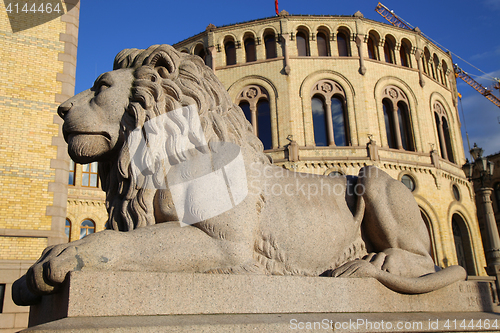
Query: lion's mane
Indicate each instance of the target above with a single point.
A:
(165, 80)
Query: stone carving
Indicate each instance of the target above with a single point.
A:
(159, 110)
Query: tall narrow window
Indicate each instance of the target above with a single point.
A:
(71, 178)
(447, 139)
(199, 50)
(462, 244)
(302, 44)
(2, 296)
(496, 188)
(89, 175)
(342, 44)
(443, 132)
(270, 43)
(319, 121)
(445, 71)
(329, 114)
(254, 101)
(86, 228)
(404, 55)
(67, 230)
(436, 74)
(404, 129)
(425, 60)
(397, 119)
(322, 41)
(389, 124)
(250, 53)
(230, 53)
(388, 51)
(372, 52)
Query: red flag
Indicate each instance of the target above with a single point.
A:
(276, 6)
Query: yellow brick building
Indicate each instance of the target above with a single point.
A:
(392, 94)
(37, 73)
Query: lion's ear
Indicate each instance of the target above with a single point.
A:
(162, 63)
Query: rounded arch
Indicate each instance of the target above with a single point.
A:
(68, 228)
(464, 249)
(306, 96)
(323, 37)
(343, 37)
(373, 42)
(323, 28)
(230, 50)
(389, 48)
(249, 45)
(87, 227)
(405, 52)
(302, 40)
(272, 92)
(426, 58)
(413, 110)
(269, 38)
(430, 229)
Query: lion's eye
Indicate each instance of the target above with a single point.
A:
(102, 86)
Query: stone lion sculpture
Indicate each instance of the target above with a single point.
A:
(368, 226)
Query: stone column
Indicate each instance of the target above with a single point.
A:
(418, 56)
(397, 132)
(329, 122)
(493, 251)
(442, 141)
(286, 45)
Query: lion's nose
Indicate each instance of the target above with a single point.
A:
(64, 108)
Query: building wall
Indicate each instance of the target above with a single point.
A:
(37, 73)
(289, 80)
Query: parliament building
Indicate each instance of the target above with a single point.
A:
(325, 94)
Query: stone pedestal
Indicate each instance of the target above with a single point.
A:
(174, 302)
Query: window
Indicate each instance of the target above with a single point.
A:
(270, 43)
(67, 230)
(427, 223)
(456, 192)
(496, 188)
(302, 44)
(404, 54)
(230, 49)
(389, 50)
(342, 44)
(409, 182)
(425, 60)
(254, 101)
(322, 41)
(372, 47)
(200, 52)
(2, 296)
(329, 114)
(71, 178)
(445, 71)
(89, 175)
(444, 134)
(462, 244)
(250, 52)
(437, 68)
(86, 228)
(397, 119)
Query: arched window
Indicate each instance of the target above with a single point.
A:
(389, 50)
(437, 69)
(71, 178)
(86, 228)
(254, 101)
(404, 54)
(302, 41)
(250, 52)
(397, 119)
(462, 244)
(322, 41)
(89, 175)
(67, 230)
(199, 50)
(270, 43)
(444, 134)
(230, 50)
(426, 60)
(427, 222)
(342, 43)
(329, 114)
(444, 67)
(372, 47)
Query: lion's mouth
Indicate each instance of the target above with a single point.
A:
(70, 135)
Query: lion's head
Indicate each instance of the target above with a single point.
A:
(145, 84)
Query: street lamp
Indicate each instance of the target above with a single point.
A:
(484, 169)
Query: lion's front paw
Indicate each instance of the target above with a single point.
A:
(97, 251)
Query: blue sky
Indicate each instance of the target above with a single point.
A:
(468, 29)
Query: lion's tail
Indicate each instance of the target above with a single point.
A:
(424, 283)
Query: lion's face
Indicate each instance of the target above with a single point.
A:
(92, 118)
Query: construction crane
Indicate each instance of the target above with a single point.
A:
(474, 84)
(396, 21)
(390, 16)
